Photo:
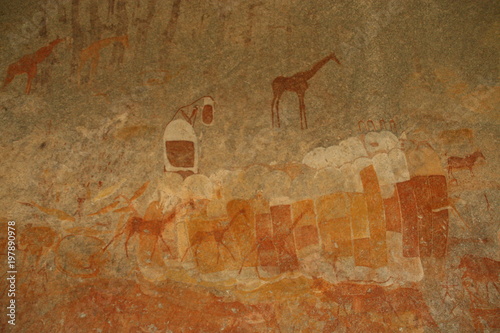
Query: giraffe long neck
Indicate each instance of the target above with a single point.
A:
(105, 42)
(316, 67)
(45, 51)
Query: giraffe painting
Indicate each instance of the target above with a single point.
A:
(92, 54)
(296, 83)
(28, 64)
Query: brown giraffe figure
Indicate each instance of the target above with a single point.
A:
(91, 53)
(298, 84)
(28, 64)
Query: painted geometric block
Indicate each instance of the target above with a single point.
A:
(393, 212)
(334, 224)
(209, 255)
(440, 215)
(409, 225)
(363, 252)
(281, 217)
(423, 198)
(305, 231)
(240, 235)
(376, 215)
(264, 247)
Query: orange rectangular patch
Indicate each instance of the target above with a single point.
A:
(376, 216)
(359, 216)
(281, 216)
(362, 252)
(264, 248)
(440, 219)
(393, 212)
(305, 231)
(410, 220)
(423, 198)
(333, 210)
(240, 236)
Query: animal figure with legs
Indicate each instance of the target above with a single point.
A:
(466, 162)
(153, 223)
(298, 84)
(92, 54)
(218, 235)
(28, 64)
(275, 243)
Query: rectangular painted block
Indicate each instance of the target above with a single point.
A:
(281, 217)
(334, 224)
(409, 224)
(423, 197)
(393, 212)
(305, 231)
(264, 248)
(359, 216)
(363, 252)
(440, 215)
(206, 253)
(369, 180)
(240, 236)
(376, 215)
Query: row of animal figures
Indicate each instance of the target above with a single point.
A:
(274, 239)
(29, 62)
(296, 83)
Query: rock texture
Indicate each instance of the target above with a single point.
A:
(249, 166)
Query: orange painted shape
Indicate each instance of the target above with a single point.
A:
(423, 197)
(305, 232)
(369, 180)
(440, 219)
(374, 203)
(240, 235)
(379, 253)
(363, 252)
(209, 256)
(281, 216)
(333, 209)
(376, 216)
(306, 236)
(359, 216)
(341, 237)
(154, 211)
(267, 254)
(410, 220)
(393, 213)
(170, 237)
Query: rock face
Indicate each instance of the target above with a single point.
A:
(249, 166)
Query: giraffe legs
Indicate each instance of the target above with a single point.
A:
(272, 111)
(31, 75)
(302, 106)
(278, 111)
(276, 101)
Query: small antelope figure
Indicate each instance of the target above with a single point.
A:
(28, 64)
(466, 162)
(218, 235)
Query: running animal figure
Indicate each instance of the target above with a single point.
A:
(28, 64)
(298, 84)
(466, 162)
